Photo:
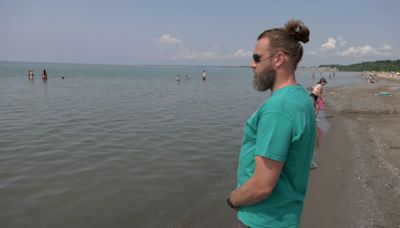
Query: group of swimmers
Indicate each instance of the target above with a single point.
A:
(178, 77)
(322, 74)
(31, 75)
(204, 76)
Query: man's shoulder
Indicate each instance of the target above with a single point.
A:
(288, 104)
(291, 95)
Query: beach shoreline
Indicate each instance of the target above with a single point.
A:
(357, 183)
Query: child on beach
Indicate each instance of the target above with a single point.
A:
(319, 135)
(316, 95)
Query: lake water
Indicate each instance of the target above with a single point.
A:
(121, 146)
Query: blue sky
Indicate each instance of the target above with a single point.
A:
(192, 32)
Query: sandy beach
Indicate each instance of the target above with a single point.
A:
(357, 183)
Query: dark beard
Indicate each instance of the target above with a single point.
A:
(264, 81)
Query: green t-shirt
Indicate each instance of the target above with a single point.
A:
(282, 129)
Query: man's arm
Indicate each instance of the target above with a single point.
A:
(260, 185)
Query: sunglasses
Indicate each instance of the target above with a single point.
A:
(257, 58)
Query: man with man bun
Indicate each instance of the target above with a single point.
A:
(279, 138)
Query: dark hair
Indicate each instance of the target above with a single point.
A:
(322, 80)
(288, 39)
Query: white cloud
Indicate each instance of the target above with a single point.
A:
(387, 47)
(341, 41)
(312, 52)
(169, 47)
(168, 39)
(336, 47)
(339, 50)
(329, 45)
(186, 54)
(358, 51)
(367, 51)
(240, 53)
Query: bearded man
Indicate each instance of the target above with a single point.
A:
(279, 138)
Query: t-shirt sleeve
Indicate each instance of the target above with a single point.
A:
(274, 134)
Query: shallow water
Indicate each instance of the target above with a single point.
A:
(119, 146)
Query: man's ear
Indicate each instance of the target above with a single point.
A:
(280, 59)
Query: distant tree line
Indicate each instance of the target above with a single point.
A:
(382, 65)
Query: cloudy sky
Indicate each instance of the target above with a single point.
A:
(179, 32)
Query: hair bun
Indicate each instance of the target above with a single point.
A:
(298, 30)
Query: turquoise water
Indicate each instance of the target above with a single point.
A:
(121, 146)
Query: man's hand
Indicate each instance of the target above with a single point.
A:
(260, 185)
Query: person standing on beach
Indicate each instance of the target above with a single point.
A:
(279, 138)
(316, 95)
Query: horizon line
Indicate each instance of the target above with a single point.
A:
(117, 64)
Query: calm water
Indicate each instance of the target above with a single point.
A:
(120, 146)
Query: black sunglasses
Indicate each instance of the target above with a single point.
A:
(256, 58)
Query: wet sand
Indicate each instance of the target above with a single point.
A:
(357, 183)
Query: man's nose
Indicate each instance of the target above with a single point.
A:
(253, 64)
